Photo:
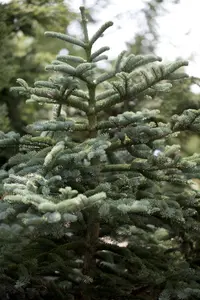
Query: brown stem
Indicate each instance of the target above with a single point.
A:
(92, 236)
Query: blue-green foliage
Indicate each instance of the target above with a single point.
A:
(98, 206)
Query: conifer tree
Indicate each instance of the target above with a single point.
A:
(99, 206)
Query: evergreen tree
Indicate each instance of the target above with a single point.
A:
(100, 206)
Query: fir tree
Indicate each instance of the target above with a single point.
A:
(96, 205)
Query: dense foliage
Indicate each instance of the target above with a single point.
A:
(97, 203)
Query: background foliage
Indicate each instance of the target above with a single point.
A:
(25, 52)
